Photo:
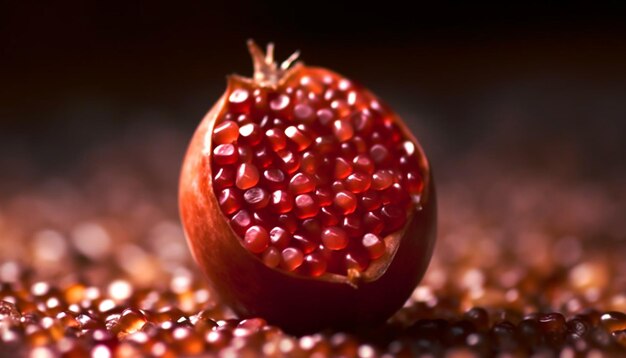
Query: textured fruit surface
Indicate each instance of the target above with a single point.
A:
(300, 187)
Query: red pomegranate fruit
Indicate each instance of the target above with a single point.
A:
(306, 201)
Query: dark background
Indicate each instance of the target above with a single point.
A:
(526, 85)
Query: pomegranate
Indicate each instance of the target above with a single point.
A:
(306, 201)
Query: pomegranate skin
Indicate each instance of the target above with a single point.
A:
(298, 304)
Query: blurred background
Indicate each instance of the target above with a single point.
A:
(521, 108)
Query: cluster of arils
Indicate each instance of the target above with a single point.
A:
(313, 174)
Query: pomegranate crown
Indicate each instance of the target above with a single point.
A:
(267, 73)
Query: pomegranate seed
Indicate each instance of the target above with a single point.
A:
(256, 198)
(301, 140)
(343, 130)
(325, 145)
(374, 245)
(288, 221)
(370, 200)
(226, 132)
(250, 133)
(243, 119)
(379, 154)
(264, 217)
(359, 145)
(224, 178)
(363, 122)
(409, 147)
(229, 201)
(301, 183)
(358, 182)
(393, 216)
(414, 183)
(309, 163)
(325, 116)
(395, 194)
(225, 154)
(373, 222)
(271, 257)
(273, 178)
(315, 264)
(241, 221)
(256, 239)
(247, 176)
(306, 207)
(341, 108)
(311, 228)
(245, 154)
(279, 237)
(263, 157)
(239, 100)
(345, 201)
(352, 225)
(328, 217)
(305, 244)
(303, 112)
(324, 196)
(357, 261)
(276, 138)
(334, 238)
(363, 164)
(281, 201)
(291, 258)
(337, 186)
(381, 180)
(342, 168)
(288, 161)
(280, 104)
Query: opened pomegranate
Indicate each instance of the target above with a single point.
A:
(307, 201)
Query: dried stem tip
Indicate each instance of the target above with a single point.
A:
(266, 71)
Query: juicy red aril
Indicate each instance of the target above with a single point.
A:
(247, 176)
(279, 237)
(291, 258)
(370, 200)
(343, 130)
(334, 238)
(312, 174)
(224, 178)
(305, 206)
(273, 178)
(271, 257)
(301, 140)
(358, 182)
(324, 196)
(352, 225)
(289, 162)
(342, 168)
(226, 132)
(374, 246)
(315, 264)
(256, 198)
(345, 201)
(250, 133)
(239, 100)
(240, 222)
(381, 180)
(276, 138)
(393, 216)
(229, 201)
(305, 244)
(281, 201)
(301, 183)
(256, 239)
(373, 222)
(225, 154)
(363, 164)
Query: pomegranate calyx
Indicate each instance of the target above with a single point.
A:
(267, 73)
